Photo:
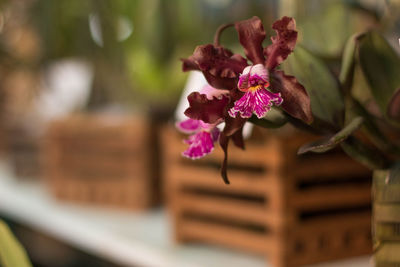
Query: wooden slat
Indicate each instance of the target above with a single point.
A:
(323, 244)
(236, 210)
(98, 165)
(111, 150)
(267, 153)
(331, 196)
(339, 165)
(208, 178)
(335, 222)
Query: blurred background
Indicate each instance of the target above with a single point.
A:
(88, 91)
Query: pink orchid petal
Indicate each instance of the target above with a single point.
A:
(188, 126)
(200, 144)
(257, 101)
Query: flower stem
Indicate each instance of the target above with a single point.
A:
(219, 32)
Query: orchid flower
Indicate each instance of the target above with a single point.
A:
(252, 88)
(202, 135)
(202, 138)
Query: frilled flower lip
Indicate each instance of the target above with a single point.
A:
(202, 138)
(203, 133)
(200, 144)
(257, 100)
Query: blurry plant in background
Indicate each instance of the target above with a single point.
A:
(165, 30)
(11, 252)
(134, 46)
(20, 49)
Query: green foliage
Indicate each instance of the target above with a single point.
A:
(348, 62)
(63, 26)
(12, 254)
(275, 118)
(326, 99)
(370, 81)
(325, 31)
(329, 143)
(381, 67)
(365, 154)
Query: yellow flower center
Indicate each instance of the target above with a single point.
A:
(255, 88)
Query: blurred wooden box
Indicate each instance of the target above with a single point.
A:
(23, 151)
(106, 160)
(295, 210)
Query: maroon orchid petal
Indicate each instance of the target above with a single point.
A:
(282, 44)
(202, 108)
(296, 101)
(224, 142)
(237, 138)
(189, 64)
(220, 66)
(251, 35)
(232, 125)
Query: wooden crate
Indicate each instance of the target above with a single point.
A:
(294, 210)
(105, 160)
(23, 151)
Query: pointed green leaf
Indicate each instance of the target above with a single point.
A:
(326, 144)
(381, 67)
(348, 60)
(323, 89)
(12, 254)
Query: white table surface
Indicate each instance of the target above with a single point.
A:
(125, 238)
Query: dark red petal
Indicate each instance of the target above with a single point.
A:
(189, 64)
(282, 44)
(251, 35)
(296, 101)
(224, 142)
(220, 66)
(209, 111)
(237, 138)
(232, 125)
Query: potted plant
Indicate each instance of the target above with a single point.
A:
(358, 110)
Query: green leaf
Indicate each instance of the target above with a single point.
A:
(326, 144)
(364, 154)
(12, 254)
(381, 67)
(348, 62)
(323, 89)
(371, 129)
(275, 118)
(330, 26)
